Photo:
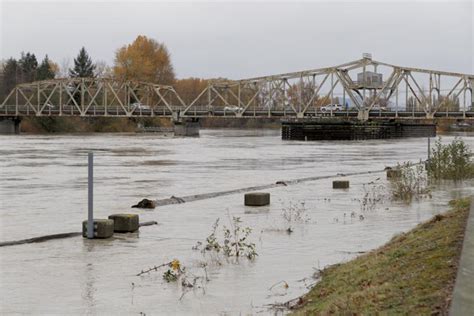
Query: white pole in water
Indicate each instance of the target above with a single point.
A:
(90, 217)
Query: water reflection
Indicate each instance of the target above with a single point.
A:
(89, 289)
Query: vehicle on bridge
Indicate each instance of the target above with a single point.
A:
(378, 107)
(332, 107)
(138, 105)
(233, 108)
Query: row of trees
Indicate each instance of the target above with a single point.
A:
(144, 60)
(148, 60)
(25, 69)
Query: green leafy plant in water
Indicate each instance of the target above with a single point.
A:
(451, 161)
(170, 276)
(211, 241)
(412, 183)
(235, 241)
(174, 271)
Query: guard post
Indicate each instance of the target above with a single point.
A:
(90, 208)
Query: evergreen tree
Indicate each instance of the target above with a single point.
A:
(83, 66)
(44, 70)
(10, 77)
(28, 65)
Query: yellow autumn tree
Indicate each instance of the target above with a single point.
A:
(144, 60)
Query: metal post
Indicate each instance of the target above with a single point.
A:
(82, 95)
(90, 217)
(39, 97)
(406, 95)
(300, 101)
(332, 89)
(430, 105)
(60, 99)
(364, 81)
(464, 99)
(344, 100)
(396, 101)
(429, 148)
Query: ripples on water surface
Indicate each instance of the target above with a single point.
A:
(43, 191)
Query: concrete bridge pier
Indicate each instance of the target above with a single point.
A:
(186, 127)
(363, 115)
(10, 125)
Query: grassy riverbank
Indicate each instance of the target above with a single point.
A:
(414, 272)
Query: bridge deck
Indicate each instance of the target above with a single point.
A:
(13, 111)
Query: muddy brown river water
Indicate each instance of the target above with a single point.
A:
(43, 191)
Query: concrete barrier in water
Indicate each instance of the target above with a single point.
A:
(103, 228)
(257, 199)
(340, 184)
(125, 223)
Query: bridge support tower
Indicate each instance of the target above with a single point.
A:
(363, 115)
(10, 125)
(186, 127)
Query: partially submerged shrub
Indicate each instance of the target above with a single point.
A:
(234, 243)
(235, 240)
(177, 272)
(172, 274)
(412, 183)
(294, 213)
(374, 194)
(451, 161)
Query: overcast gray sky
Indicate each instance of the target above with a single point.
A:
(247, 39)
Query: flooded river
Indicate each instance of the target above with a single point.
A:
(43, 190)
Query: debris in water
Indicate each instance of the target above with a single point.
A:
(145, 203)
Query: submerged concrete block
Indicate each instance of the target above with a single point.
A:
(257, 199)
(125, 223)
(340, 184)
(103, 228)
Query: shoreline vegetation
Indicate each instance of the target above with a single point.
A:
(58, 125)
(65, 124)
(414, 272)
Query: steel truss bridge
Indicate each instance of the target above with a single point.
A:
(358, 86)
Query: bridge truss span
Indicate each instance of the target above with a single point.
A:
(91, 97)
(362, 88)
(365, 86)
